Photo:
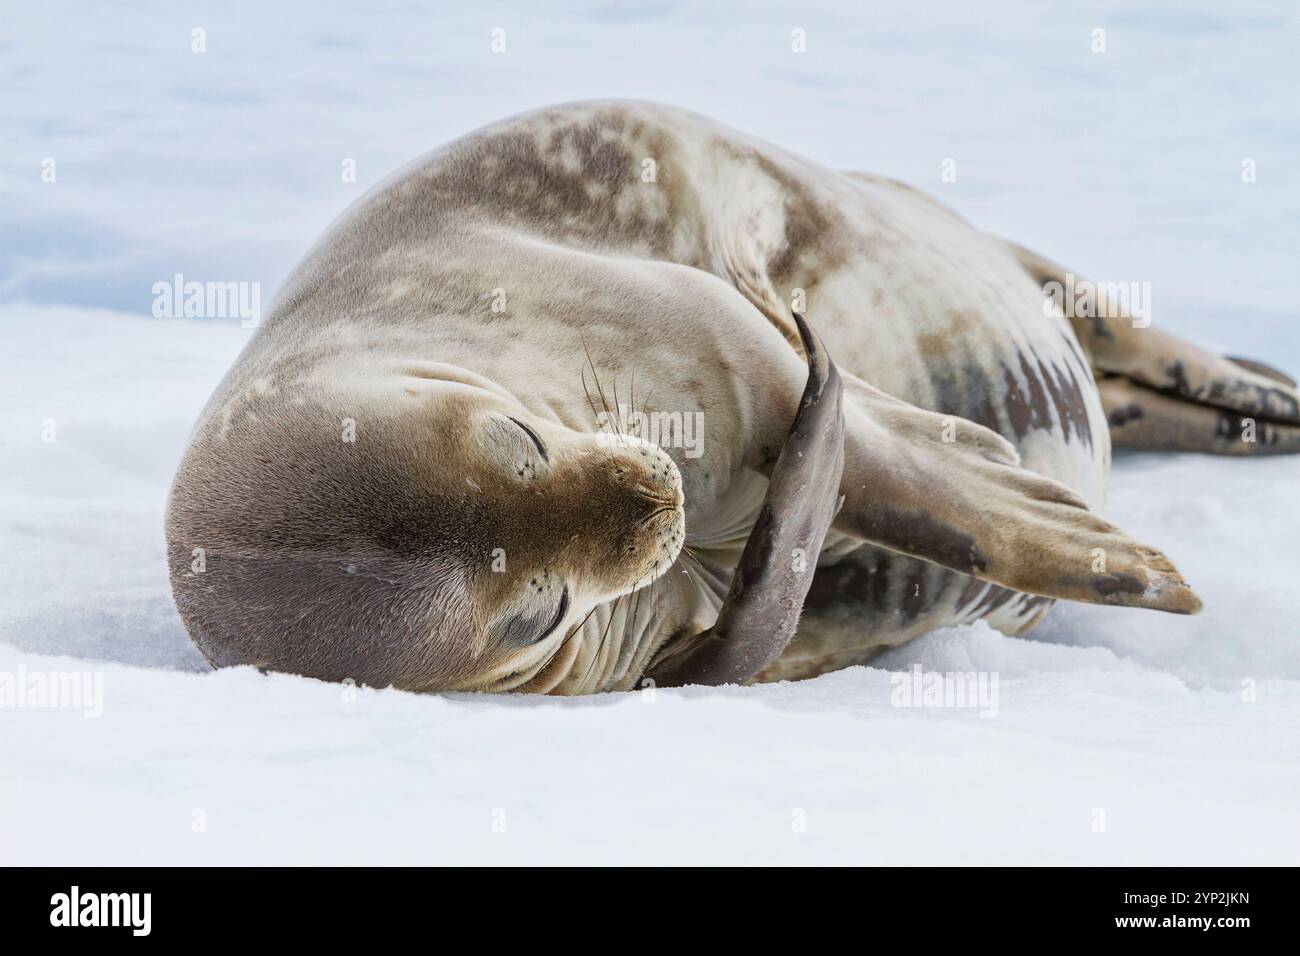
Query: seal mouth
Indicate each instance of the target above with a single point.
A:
(665, 509)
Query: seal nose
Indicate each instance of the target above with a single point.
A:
(664, 494)
(668, 494)
(644, 482)
(660, 481)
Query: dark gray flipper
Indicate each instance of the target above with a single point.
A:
(761, 611)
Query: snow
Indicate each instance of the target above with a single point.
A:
(1119, 736)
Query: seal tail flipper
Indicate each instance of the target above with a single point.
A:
(1144, 418)
(1150, 357)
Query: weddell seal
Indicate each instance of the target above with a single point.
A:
(429, 467)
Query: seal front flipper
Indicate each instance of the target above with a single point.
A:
(761, 610)
(952, 492)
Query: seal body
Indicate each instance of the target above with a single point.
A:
(906, 294)
(598, 263)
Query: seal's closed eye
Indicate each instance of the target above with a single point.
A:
(541, 449)
(526, 629)
(560, 612)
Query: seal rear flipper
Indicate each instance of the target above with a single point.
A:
(1146, 419)
(1262, 368)
(953, 493)
(760, 614)
(1165, 363)
(1117, 345)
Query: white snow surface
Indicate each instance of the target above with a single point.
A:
(1120, 736)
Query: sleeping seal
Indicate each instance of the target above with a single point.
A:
(451, 455)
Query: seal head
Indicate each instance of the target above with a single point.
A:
(448, 539)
